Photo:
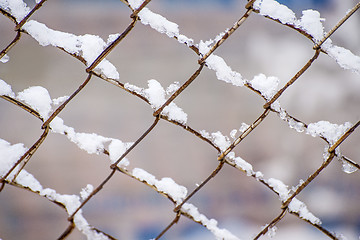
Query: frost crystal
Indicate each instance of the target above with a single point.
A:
(298, 126)
(5, 58)
(348, 167)
(233, 133)
(86, 191)
(243, 127)
(205, 134)
(112, 38)
(59, 100)
(155, 93)
(272, 232)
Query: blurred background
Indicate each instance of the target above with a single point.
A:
(127, 209)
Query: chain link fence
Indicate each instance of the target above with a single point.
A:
(121, 122)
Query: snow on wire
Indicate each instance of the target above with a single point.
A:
(92, 51)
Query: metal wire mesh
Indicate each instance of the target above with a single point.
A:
(167, 164)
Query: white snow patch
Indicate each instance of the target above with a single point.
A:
(243, 127)
(279, 187)
(26, 179)
(155, 93)
(259, 175)
(112, 38)
(211, 224)
(205, 134)
(221, 141)
(311, 22)
(204, 47)
(272, 232)
(223, 71)
(86, 46)
(134, 88)
(91, 142)
(275, 10)
(38, 98)
(160, 23)
(71, 202)
(5, 89)
(344, 57)
(17, 8)
(165, 185)
(116, 149)
(168, 185)
(244, 165)
(59, 100)
(9, 154)
(267, 86)
(86, 229)
(330, 131)
(299, 207)
(135, 3)
(175, 113)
